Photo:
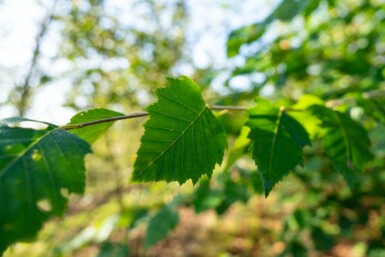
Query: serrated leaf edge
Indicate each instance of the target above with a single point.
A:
(176, 139)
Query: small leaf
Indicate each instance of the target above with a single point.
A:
(36, 166)
(182, 139)
(306, 118)
(160, 225)
(91, 133)
(288, 9)
(345, 141)
(277, 142)
(244, 35)
(239, 147)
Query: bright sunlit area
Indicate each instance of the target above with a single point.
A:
(192, 128)
(203, 28)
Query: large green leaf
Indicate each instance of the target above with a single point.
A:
(277, 142)
(37, 168)
(91, 133)
(345, 141)
(182, 139)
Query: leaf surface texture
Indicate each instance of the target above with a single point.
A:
(36, 167)
(91, 133)
(277, 142)
(345, 141)
(182, 139)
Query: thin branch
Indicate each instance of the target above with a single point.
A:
(374, 94)
(142, 114)
(95, 122)
(288, 109)
(331, 103)
(367, 95)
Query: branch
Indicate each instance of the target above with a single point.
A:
(330, 103)
(95, 122)
(374, 94)
(142, 114)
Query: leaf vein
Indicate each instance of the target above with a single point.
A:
(170, 115)
(173, 142)
(178, 102)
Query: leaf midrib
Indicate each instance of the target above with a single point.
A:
(276, 130)
(20, 155)
(176, 139)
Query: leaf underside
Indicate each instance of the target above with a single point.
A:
(91, 133)
(346, 143)
(182, 139)
(277, 142)
(35, 167)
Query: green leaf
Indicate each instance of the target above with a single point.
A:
(244, 35)
(36, 168)
(288, 9)
(374, 107)
(110, 249)
(239, 147)
(182, 139)
(277, 142)
(306, 118)
(234, 190)
(160, 225)
(91, 133)
(345, 141)
(205, 198)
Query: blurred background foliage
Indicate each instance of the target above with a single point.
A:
(295, 53)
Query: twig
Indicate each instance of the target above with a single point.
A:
(374, 94)
(331, 103)
(95, 122)
(142, 114)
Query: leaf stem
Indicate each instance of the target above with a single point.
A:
(142, 114)
(95, 122)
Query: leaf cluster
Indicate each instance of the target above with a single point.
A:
(183, 140)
